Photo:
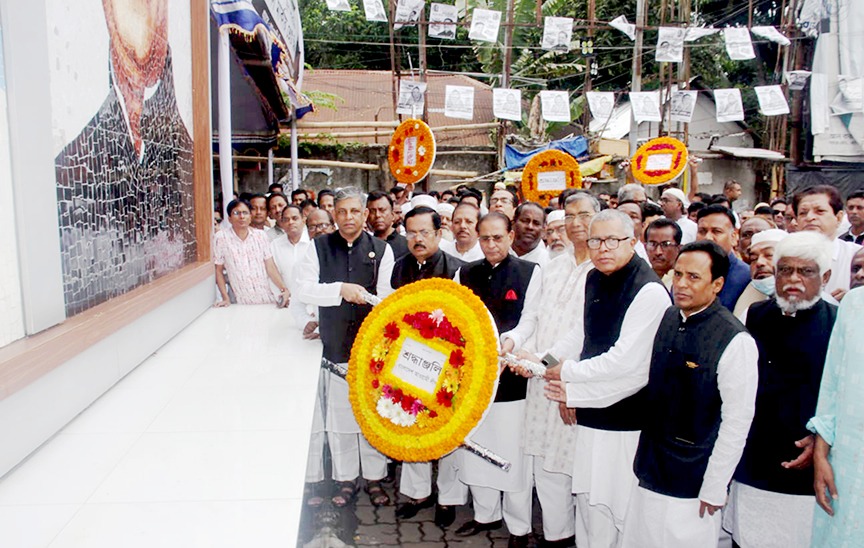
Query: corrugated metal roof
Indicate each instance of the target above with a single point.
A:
(368, 97)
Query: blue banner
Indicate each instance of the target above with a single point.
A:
(574, 146)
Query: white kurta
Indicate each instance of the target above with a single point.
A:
(764, 519)
(473, 254)
(841, 265)
(286, 255)
(655, 520)
(539, 255)
(688, 230)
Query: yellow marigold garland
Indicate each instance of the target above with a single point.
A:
(424, 151)
(660, 145)
(421, 426)
(548, 161)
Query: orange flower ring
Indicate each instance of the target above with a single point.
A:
(411, 152)
(423, 370)
(547, 174)
(659, 161)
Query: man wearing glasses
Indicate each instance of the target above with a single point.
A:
(319, 222)
(605, 366)
(425, 260)
(663, 240)
(504, 201)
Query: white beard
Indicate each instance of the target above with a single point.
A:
(791, 307)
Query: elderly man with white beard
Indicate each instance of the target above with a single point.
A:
(556, 234)
(772, 501)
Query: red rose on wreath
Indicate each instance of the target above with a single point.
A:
(407, 402)
(397, 395)
(376, 366)
(432, 414)
(391, 331)
(375, 383)
(445, 397)
(457, 359)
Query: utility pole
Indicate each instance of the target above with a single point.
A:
(421, 31)
(586, 115)
(684, 73)
(505, 78)
(636, 84)
(394, 70)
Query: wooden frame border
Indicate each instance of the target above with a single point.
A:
(26, 360)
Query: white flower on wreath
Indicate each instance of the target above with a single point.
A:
(437, 315)
(393, 412)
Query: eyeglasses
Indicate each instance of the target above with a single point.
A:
(498, 238)
(803, 271)
(320, 226)
(611, 243)
(582, 217)
(425, 234)
(663, 245)
(237, 213)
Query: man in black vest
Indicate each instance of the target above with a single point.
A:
(697, 410)
(771, 500)
(425, 260)
(510, 289)
(382, 222)
(624, 303)
(334, 275)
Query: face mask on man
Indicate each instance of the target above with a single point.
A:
(765, 286)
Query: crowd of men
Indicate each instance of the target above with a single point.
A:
(699, 381)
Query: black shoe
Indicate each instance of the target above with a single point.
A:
(473, 527)
(444, 515)
(518, 541)
(408, 510)
(568, 542)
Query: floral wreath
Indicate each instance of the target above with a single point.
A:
(548, 174)
(437, 334)
(659, 161)
(412, 151)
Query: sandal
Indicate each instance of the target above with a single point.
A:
(377, 495)
(312, 494)
(345, 494)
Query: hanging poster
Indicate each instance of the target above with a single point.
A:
(459, 102)
(797, 79)
(697, 33)
(411, 98)
(601, 104)
(738, 44)
(771, 100)
(407, 13)
(557, 33)
(555, 106)
(683, 103)
(670, 45)
(729, 105)
(338, 5)
(484, 25)
(646, 106)
(507, 104)
(375, 10)
(621, 24)
(772, 34)
(442, 21)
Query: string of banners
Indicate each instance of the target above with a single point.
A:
(646, 106)
(558, 31)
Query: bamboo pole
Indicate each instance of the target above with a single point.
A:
(335, 123)
(386, 132)
(349, 165)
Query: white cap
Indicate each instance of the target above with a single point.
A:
(555, 215)
(424, 200)
(406, 207)
(678, 194)
(770, 236)
(445, 209)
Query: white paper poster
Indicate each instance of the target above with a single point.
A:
(729, 105)
(407, 13)
(697, 33)
(459, 102)
(507, 104)
(601, 104)
(797, 79)
(551, 180)
(555, 106)
(670, 45)
(738, 44)
(682, 105)
(557, 33)
(375, 10)
(771, 100)
(850, 99)
(621, 24)
(411, 97)
(646, 106)
(772, 34)
(442, 21)
(338, 5)
(484, 25)
(419, 365)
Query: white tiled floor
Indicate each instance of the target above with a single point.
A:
(203, 445)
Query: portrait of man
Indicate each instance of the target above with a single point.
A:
(124, 183)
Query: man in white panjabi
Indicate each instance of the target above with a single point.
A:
(624, 303)
(697, 409)
(550, 432)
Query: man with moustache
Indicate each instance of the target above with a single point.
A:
(320, 222)
(466, 243)
(675, 205)
(334, 275)
(771, 500)
(662, 242)
(761, 259)
(382, 222)
(717, 224)
(426, 260)
(529, 222)
(698, 408)
(556, 234)
(510, 288)
(605, 366)
(749, 228)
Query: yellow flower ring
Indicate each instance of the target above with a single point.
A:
(548, 174)
(412, 151)
(438, 335)
(659, 161)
